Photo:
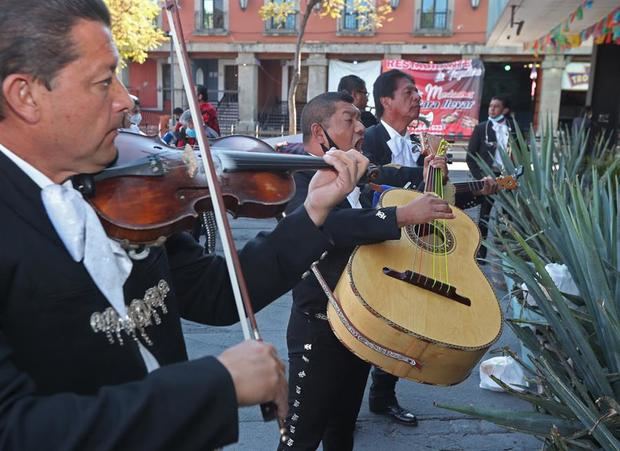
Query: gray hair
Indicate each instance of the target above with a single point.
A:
(320, 110)
(34, 36)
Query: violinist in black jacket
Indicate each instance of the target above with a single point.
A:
(326, 381)
(92, 354)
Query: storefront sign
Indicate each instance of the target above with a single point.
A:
(450, 95)
(576, 77)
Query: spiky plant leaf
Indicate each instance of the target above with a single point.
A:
(566, 210)
(529, 422)
(588, 418)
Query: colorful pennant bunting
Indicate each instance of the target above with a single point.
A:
(606, 30)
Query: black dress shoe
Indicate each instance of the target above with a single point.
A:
(398, 414)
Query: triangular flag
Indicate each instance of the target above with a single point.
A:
(579, 13)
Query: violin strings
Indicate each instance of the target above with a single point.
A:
(254, 162)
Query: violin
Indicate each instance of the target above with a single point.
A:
(154, 190)
(239, 287)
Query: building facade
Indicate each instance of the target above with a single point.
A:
(246, 63)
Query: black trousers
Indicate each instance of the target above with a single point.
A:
(483, 223)
(326, 386)
(382, 390)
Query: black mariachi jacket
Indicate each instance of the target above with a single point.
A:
(375, 147)
(482, 144)
(347, 227)
(65, 385)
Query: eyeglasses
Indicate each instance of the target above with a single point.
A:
(363, 92)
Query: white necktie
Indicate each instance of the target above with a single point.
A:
(105, 260)
(82, 234)
(402, 153)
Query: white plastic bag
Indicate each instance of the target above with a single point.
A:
(504, 368)
(562, 278)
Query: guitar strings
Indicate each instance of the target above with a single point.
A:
(442, 228)
(437, 228)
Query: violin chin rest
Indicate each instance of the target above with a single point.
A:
(84, 183)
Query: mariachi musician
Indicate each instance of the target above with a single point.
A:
(91, 349)
(489, 142)
(326, 381)
(397, 103)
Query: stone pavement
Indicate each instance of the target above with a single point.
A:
(438, 429)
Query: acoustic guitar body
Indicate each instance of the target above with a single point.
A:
(420, 328)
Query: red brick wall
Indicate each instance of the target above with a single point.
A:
(143, 82)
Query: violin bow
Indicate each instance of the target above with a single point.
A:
(237, 280)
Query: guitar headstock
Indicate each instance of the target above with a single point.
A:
(442, 150)
(509, 182)
(433, 145)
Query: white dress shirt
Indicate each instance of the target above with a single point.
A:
(502, 134)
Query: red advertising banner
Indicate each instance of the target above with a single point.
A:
(450, 95)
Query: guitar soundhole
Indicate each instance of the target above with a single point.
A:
(435, 238)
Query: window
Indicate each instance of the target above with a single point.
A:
(165, 82)
(212, 16)
(352, 21)
(434, 16)
(350, 18)
(286, 27)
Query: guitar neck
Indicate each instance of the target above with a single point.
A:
(466, 187)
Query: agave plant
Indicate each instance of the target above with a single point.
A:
(566, 210)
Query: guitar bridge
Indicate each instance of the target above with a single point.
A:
(428, 283)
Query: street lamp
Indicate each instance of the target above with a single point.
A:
(475, 3)
(394, 3)
(243, 4)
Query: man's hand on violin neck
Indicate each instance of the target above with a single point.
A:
(329, 187)
(257, 373)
